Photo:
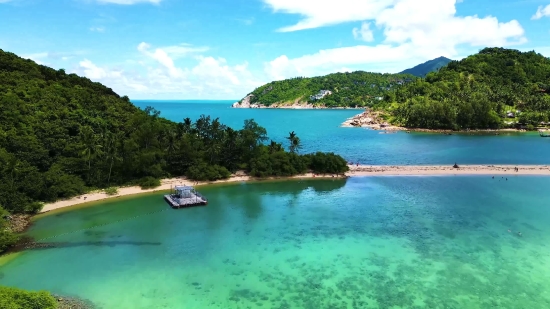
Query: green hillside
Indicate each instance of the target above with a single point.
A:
(348, 89)
(477, 92)
(423, 69)
(62, 135)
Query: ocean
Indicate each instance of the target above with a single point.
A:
(362, 242)
(319, 130)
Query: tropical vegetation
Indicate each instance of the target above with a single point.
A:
(348, 89)
(62, 135)
(478, 92)
(12, 298)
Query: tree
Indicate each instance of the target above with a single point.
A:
(91, 148)
(294, 142)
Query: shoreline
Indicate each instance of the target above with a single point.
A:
(355, 171)
(374, 120)
(448, 170)
(166, 184)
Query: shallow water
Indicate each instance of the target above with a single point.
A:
(319, 130)
(379, 242)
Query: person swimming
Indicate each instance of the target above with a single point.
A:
(519, 234)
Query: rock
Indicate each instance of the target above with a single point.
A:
(245, 103)
(18, 223)
(73, 303)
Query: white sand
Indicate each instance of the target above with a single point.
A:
(361, 170)
(434, 170)
(166, 184)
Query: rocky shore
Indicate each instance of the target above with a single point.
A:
(370, 119)
(18, 223)
(374, 120)
(298, 104)
(72, 302)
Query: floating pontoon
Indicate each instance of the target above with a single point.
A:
(185, 196)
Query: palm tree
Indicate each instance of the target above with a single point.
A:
(112, 151)
(91, 147)
(13, 166)
(187, 125)
(275, 147)
(294, 142)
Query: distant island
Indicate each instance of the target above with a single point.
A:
(339, 90)
(423, 69)
(495, 89)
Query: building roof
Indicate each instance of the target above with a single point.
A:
(183, 188)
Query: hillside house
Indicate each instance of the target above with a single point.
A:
(321, 94)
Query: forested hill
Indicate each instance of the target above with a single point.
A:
(347, 89)
(53, 129)
(423, 69)
(482, 91)
(62, 135)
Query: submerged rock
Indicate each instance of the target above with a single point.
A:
(73, 302)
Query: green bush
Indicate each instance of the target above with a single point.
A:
(278, 163)
(327, 163)
(207, 172)
(148, 182)
(12, 298)
(111, 191)
(7, 238)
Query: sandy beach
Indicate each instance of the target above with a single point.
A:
(357, 171)
(435, 170)
(166, 184)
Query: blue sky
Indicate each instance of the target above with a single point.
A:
(223, 49)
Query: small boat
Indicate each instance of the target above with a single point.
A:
(544, 133)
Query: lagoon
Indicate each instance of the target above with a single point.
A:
(373, 242)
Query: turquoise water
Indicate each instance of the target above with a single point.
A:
(320, 130)
(379, 242)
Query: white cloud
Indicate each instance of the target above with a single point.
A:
(246, 21)
(97, 29)
(325, 13)
(45, 57)
(161, 76)
(94, 72)
(36, 57)
(161, 57)
(364, 33)
(412, 32)
(129, 2)
(183, 50)
(542, 12)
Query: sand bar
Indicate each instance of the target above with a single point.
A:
(361, 170)
(435, 170)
